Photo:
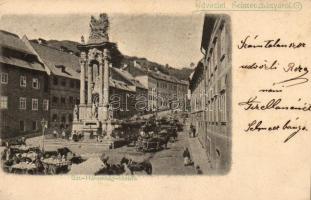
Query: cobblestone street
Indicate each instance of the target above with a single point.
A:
(164, 162)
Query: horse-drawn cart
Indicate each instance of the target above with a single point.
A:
(150, 144)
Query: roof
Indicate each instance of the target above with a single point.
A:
(60, 63)
(120, 85)
(126, 75)
(208, 27)
(184, 82)
(161, 76)
(10, 41)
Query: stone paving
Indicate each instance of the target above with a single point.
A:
(165, 162)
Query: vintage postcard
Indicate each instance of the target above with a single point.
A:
(196, 99)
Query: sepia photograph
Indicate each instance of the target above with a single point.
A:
(115, 94)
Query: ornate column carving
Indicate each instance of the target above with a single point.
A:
(82, 78)
(106, 84)
(89, 83)
(101, 77)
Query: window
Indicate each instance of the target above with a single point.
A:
(35, 83)
(55, 81)
(78, 84)
(72, 83)
(63, 118)
(34, 104)
(54, 117)
(63, 82)
(22, 125)
(45, 104)
(223, 108)
(4, 78)
(22, 103)
(4, 119)
(63, 100)
(34, 125)
(23, 81)
(71, 100)
(4, 102)
(55, 100)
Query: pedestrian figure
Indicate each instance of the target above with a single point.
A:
(187, 157)
(63, 134)
(194, 132)
(198, 170)
(55, 134)
(190, 131)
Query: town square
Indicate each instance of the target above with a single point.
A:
(84, 107)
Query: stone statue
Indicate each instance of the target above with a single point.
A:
(99, 29)
(76, 112)
(95, 110)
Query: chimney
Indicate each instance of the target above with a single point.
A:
(62, 67)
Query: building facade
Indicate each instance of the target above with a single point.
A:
(64, 82)
(24, 89)
(211, 93)
(164, 91)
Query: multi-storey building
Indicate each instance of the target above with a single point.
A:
(142, 75)
(150, 83)
(210, 87)
(164, 91)
(137, 100)
(24, 89)
(64, 81)
(182, 94)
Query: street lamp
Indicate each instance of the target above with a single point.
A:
(44, 126)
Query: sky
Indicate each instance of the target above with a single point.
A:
(166, 39)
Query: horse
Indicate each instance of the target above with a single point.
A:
(136, 166)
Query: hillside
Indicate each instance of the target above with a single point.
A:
(119, 59)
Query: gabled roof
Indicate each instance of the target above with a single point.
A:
(13, 51)
(60, 63)
(12, 41)
(127, 76)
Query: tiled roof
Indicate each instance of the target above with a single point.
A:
(21, 63)
(10, 41)
(60, 63)
(161, 76)
(126, 75)
(120, 85)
